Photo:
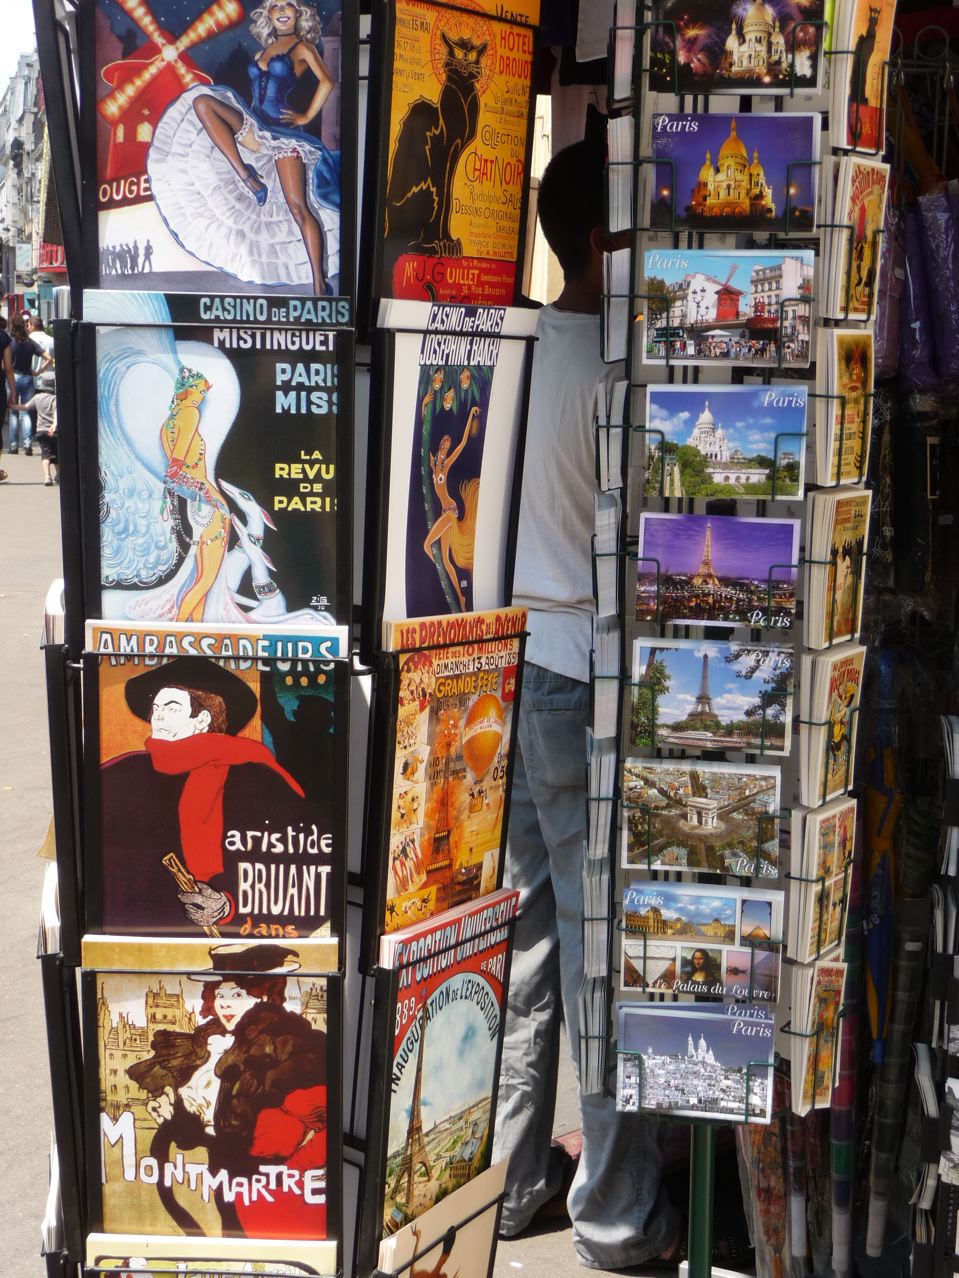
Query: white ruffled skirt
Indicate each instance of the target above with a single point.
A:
(212, 214)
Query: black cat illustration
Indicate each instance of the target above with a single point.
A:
(432, 139)
(862, 56)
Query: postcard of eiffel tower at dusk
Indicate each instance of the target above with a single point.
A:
(717, 569)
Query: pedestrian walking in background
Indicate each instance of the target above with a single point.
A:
(44, 404)
(24, 351)
(8, 386)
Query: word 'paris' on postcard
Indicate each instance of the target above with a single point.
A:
(725, 441)
(710, 1060)
(731, 306)
(717, 570)
(734, 172)
(769, 47)
(703, 942)
(721, 818)
(693, 694)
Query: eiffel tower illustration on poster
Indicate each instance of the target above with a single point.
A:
(414, 1148)
(705, 574)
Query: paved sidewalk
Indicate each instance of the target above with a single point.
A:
(30, 559)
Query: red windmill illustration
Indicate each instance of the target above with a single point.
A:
(144, 84)
(727, 298)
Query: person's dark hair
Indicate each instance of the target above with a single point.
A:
(3, 322)
(215, 706)
(571, 205)
(19, 329)
(268, 988)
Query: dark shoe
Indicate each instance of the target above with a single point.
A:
(555, 1208)
(28, 452)
(257, 185)
(13, 451)
(48, 483)
(729, 1251)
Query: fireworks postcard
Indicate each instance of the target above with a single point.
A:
(708, 817)
(717, 570)
(696, 695)
(734, 172)
(728, 306)
(737, 46)
(725, 441)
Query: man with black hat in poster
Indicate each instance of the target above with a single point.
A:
(204, 828)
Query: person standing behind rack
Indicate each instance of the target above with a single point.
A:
(8, 386)
(25, 350)
(620, 1215)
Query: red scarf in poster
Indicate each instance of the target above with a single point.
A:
(207, 758)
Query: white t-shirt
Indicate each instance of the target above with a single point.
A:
(553, 576)
(45, 342)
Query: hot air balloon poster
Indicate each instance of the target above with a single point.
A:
(445, 737)
(219, 485)
(223, 132)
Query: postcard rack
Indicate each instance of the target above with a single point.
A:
(639, 469)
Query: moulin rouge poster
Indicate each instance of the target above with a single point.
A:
(220, 144)
(219, 495)
(457, 124)
(215, 759)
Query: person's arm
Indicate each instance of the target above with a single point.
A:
(324, 88)
(11, 379)
(53, 426)
(467, 431)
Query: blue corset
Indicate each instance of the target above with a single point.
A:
(272, 86)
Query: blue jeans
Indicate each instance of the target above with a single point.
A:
(619, 1216)
(21, 421)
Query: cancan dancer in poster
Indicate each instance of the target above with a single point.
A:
(620, 1215)
(249, 1086)
(454, 535)
(278, 194)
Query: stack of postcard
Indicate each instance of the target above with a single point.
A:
(702, 942)
(621, 173)
(724, 441)
(695, 695)
(683, 814)
(728, 306)
(726, 570)
(705, 47)
(844, 382)
(828, 722)
(608, 510)
(617, 290)
(709, 1060)
(738, 173)
(602, 786)
(859, 73)
(605, 675)
(816, 1028)
(851, 268)
(836, 535)
(610, 420)
(822, 848)
(623, 40)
